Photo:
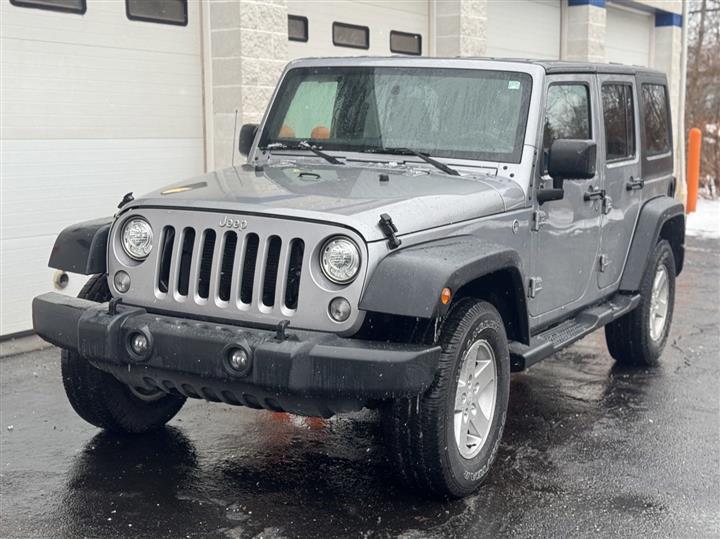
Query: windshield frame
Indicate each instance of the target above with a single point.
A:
(295, 73)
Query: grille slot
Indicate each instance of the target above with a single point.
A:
(226, 267)
(206, 261)
(166, 246)
(271, 271)
(188, 243)
(248, 270)
(292, 282)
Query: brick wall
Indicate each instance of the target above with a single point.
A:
(248, 50)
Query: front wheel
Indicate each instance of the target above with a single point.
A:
(101, 399)
(445, 440)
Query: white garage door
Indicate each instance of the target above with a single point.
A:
(524, 29)
(93, 106)
(374, 18)
(629, 36)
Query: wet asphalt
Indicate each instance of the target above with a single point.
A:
(590, 449)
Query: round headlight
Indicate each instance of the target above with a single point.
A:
(340, 260)
(137, 238)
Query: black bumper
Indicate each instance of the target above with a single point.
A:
(307, 372)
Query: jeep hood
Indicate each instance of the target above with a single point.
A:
(353, 196)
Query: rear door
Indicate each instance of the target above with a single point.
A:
(623, 183)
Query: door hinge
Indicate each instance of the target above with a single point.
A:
(534, 286)
(538, 220)
(603, 263)
(607, 205)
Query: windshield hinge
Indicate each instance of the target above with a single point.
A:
(389, 229)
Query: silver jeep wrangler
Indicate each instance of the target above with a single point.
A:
(404, 234)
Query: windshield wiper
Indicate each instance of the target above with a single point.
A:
(304, 145)
(422, 155)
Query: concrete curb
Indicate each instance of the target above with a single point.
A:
(22, 345)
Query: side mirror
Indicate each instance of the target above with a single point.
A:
(246, 138)
(571, 160)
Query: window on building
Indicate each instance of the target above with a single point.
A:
(68, 6)
(404, 43)
(655, 110)
(159, 11)
(567, 113)
(297, 28)
(350, 35)
(619, 116)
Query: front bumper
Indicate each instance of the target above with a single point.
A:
(305, 372)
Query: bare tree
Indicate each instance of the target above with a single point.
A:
(702, 105)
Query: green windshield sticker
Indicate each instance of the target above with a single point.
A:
(513, 85)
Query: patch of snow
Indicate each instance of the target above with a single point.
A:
(705, 220)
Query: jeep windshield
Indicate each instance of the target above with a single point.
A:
(453, 113)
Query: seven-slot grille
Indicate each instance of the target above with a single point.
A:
(230, 267)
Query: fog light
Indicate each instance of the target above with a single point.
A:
(139, 344)
(339, 309)
(238, 359)
(121, 281)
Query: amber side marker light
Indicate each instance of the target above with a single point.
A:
(445, 296)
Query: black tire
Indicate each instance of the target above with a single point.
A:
(100, 398)
(420, 430)
(628, 338)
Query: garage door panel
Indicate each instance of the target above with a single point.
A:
(628, 36)
(524, 29)
(380, 17)
(93, 107)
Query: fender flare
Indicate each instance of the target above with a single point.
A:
(408, 282)
(651, 225)
(82, 247)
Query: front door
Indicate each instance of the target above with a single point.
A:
(568, 231)
(623, 184)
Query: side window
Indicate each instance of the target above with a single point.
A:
(656, 122)
(567, 113)
(619, 117)
(69, 6)
(159, 11)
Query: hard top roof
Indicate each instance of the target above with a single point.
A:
(550, 66)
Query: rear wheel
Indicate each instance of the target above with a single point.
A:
(445, 440)
(639, 337)
(101, 399)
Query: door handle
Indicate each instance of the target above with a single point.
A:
(634, 185)
(594, 194)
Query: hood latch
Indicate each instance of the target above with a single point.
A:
(390, 230)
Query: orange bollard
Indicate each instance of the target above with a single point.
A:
(693, 168)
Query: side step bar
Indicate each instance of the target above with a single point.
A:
(558, 337)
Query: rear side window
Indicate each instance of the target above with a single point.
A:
(656, 120)
(159, 11)
(69, 6)
(567, 113)
(618, 113)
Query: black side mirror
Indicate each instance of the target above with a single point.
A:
(246, 138)
(571, 160)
